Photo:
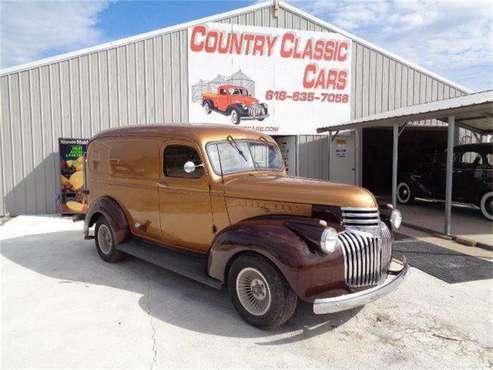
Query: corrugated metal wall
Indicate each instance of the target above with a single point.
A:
(146, 82)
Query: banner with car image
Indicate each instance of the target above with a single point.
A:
(276, 81)
(72, 154)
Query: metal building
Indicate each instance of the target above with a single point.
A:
(144, 79)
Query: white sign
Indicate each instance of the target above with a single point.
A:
(277, 81)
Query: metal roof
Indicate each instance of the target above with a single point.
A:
(218, 17)
(474, 112)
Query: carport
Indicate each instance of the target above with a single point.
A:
(473, 112)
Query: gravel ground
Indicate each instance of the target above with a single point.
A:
(63, 307)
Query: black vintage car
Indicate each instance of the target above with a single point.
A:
(472, 178)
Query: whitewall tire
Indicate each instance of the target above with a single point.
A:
(486, 205)
(404, 194)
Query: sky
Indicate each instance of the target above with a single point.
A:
(453, 38)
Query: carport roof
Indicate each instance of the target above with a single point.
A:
(473, 111)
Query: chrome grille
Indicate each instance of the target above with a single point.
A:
(367, 255)
(352, 216)
(256, 110)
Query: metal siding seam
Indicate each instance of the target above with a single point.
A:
(354, 77)
(37, 140)
(360, 81)
(5, 118)
(385, 85)
(21, 153)
(127, 95)
(392, 83)
(51, 136)
(168, 81)
(183, 48)
(373, 83)
(29, 176)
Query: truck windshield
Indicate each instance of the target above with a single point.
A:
(243, 155)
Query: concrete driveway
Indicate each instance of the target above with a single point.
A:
(63, 307)
(467, 222)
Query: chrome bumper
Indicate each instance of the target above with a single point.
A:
(352, 300)
(254, 117)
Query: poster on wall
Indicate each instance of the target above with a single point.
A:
(276, 81)
(72, 154)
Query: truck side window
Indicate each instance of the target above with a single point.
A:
(175, 156)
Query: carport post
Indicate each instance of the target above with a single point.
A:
(448, 183)
(395, 153)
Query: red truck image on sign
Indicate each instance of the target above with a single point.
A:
(234, 101)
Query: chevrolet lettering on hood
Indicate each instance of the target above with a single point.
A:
(215, 204)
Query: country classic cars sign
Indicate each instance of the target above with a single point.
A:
(277, 81)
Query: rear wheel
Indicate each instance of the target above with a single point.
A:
(260, 293)
(404, 193)
(486, 205)
(105, 242)
(207, 107)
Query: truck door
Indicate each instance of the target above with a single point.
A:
(184, 199)
(222, 99)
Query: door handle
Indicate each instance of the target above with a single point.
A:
(161, 185)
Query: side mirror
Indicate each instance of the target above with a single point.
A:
(189, 167)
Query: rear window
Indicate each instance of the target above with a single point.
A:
(134, 158)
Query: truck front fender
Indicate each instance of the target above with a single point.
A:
(111, 210)
(308, 271)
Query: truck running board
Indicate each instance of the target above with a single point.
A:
(190, 265)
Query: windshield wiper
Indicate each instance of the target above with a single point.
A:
(234, 144)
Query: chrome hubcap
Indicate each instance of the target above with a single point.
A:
(105, 239)
(253, 291)
(207, 108)
(233, 116)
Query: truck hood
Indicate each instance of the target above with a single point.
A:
(247, 100)
(298, 190)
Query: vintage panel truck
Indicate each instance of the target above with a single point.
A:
(215, 204)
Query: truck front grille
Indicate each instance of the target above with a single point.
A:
(256, 110)
(367, 255)
(360, 217)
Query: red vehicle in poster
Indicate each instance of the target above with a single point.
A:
(234, 101)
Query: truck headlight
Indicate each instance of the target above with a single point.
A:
(395, 219)
(329, 240)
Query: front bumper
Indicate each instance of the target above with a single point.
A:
(352, 300)
(254, 117)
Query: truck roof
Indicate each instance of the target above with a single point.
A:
(201, 133)
(230, 86)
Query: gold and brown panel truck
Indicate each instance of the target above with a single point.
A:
(214, 203)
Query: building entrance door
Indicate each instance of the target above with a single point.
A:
(343, 159)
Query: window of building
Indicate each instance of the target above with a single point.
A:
(175, 157)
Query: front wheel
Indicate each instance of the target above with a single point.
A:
(486, 205)
(404, 193)
(260, 293)
(105, 242)
(235, 116)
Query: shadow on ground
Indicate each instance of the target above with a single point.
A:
(164, 295)
(445, 264)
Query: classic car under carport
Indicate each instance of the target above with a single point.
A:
(473, 112)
